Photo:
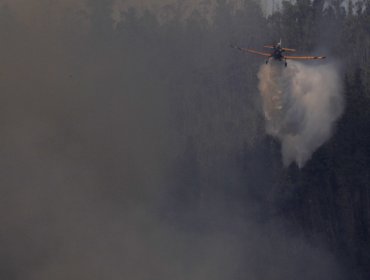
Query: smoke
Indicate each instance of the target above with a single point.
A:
(301, 104)
(93, 186)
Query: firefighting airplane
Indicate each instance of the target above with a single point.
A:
(278, 53)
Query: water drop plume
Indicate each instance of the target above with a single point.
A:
(301, 104)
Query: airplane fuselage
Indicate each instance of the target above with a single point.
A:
(278, 54)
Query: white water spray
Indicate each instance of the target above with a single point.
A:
(301, 104)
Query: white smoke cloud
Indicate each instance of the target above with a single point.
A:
(301, 104)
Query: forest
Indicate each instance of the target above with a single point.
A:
(134, 146)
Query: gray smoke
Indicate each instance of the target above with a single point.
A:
(301, 104)
(93, 184)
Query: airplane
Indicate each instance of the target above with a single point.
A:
(278, 53)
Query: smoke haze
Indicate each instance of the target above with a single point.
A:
(301, 104)
(129, 153)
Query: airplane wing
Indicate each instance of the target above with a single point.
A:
(283, 49)
(257, 52)
(288, 50)
(304, 57)
(251, 51)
